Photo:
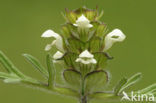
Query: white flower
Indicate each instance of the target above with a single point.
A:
(58, 55)
(58, 42)
(86, 58)
(83, 22)
(115, 36)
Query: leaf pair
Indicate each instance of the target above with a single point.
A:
(91, 82)
(124, 83)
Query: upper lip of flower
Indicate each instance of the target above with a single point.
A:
(86, 58)
(115, 36)
(83, 22)
(58, 42)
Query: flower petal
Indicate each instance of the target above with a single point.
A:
(82, 19)
(114, 36)
(89, 61)
(49, 46)
(58, 42)
(57, 55)
(83, 22)
(86, 54)
(49, 33)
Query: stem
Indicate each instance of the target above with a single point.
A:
(83, 94)
(83, 99)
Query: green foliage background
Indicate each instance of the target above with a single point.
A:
(23, 21)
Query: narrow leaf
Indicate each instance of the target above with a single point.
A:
(149, 89)
(118, 87)
(9, 66)
(5, 75)
(11, 80)
(51, 71)
(132, 80)
(36, 64)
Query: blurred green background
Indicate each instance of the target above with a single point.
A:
(23, 21)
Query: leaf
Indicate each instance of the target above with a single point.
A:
(95, 80)
(101, 30)
(101, 59)
(73, 78)
(9, 66)
(71, 16)
(95, 44)
(132, 80)
(66, 31)
(51, 71)
(90, 14)
(11, 80)
(36, 64)
(149, 89)
(118, 87)
(5, 75)
(69, 59)
(74, 45)
(101, 14)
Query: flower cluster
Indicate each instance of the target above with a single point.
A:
(82, 45)
(79, 33)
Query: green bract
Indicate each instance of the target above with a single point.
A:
(82, 50)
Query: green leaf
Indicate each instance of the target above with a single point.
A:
(65, 31)
(5, 75)
(71, 16)
(68, 31)
(11, 80)
(149, 89)
(101, 59)
(73, 78)
(51, 71)
(101, 14)
(74, 45)
(118, 87)
(90, 14)
(95, 44)
(9, 66)
(36, 64)
(101, 30)
(95, 80)
(69, 59)
(132, 80)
